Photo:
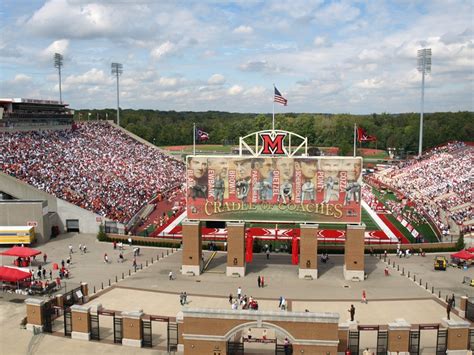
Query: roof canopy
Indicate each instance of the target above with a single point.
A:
(470, 250)
(21, 251)
(463, 254)
(11, 274)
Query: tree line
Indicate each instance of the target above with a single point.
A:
(399, 131)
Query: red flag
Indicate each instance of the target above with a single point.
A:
(294, 251)
(362, 136)
(249, 249)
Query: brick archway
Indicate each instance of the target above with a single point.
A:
(257, 324)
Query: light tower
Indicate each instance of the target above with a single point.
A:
(58, 63)
(424, 67)
(117, 70)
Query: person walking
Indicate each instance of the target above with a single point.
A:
(280, 301)
(80, 247)
(262, 282)
(170, 275)
(50, 275)
(45, 257)
(448, 310)
(364, 297)
(181, 298)
(230, 298)
(44, 273)
(185, 298)
(134, 264)
(268, 254)
(258, 281)
(70, 249)
(352, 312)
(106, 258)
(239, 292)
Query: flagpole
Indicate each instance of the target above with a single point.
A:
(355, 132)
(273, 119)
(194, 138)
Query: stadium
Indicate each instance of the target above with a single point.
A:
(158, 195)
(66, 177)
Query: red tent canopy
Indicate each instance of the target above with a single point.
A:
(23, 252)
(463, 254)
(10, 274)
(470, 250)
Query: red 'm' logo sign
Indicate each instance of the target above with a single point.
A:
(273, 145)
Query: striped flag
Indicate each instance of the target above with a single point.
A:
(278, 98)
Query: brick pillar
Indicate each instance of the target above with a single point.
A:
(308, 266)
(180, 322)
(398, 337)
(80, 318)
(354, 252)
(85, 291)
(463, 307)
(34, 314)
(343, 335)
(60, 300)
(132, 328)
(192, 248)
(235, 248)
(458, 333)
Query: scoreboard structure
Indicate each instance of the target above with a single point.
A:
(275, 182)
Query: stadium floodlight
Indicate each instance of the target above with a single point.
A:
(117, 70)
(424, 67)
(58, 63)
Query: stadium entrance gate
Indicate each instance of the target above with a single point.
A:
(72, 225)
(381, 339)
(172, 332)
(238, 347)
(116, 321)
(415, 339)
(470, 309)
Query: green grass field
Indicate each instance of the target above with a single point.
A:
(424, 228)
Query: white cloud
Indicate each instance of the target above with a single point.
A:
(22, 78)
(246, 30)
(74, 19)
(91, 77)
(372, 83)
(168, 82)
(60, 46)
(235, 90)
(163, 50)
(216, 79)
(370, 55)
(319, 41)
(336, 12)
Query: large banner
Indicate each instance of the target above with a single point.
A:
(299, 189)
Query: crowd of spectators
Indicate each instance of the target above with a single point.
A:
(94, 166)
(441, 179)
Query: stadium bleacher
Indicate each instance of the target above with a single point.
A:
(93, 165)
(440, 180)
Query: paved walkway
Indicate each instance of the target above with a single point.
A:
(150, 289)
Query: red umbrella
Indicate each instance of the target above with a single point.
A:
(463, 254)
(470, 250)
(10, 274)
(23, 252)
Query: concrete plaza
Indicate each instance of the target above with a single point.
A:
(150, 289)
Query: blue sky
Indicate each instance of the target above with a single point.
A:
(324, 56)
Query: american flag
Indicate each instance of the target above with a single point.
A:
(278, 98)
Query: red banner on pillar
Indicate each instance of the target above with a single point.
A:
(249, 250)
(294, 251)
